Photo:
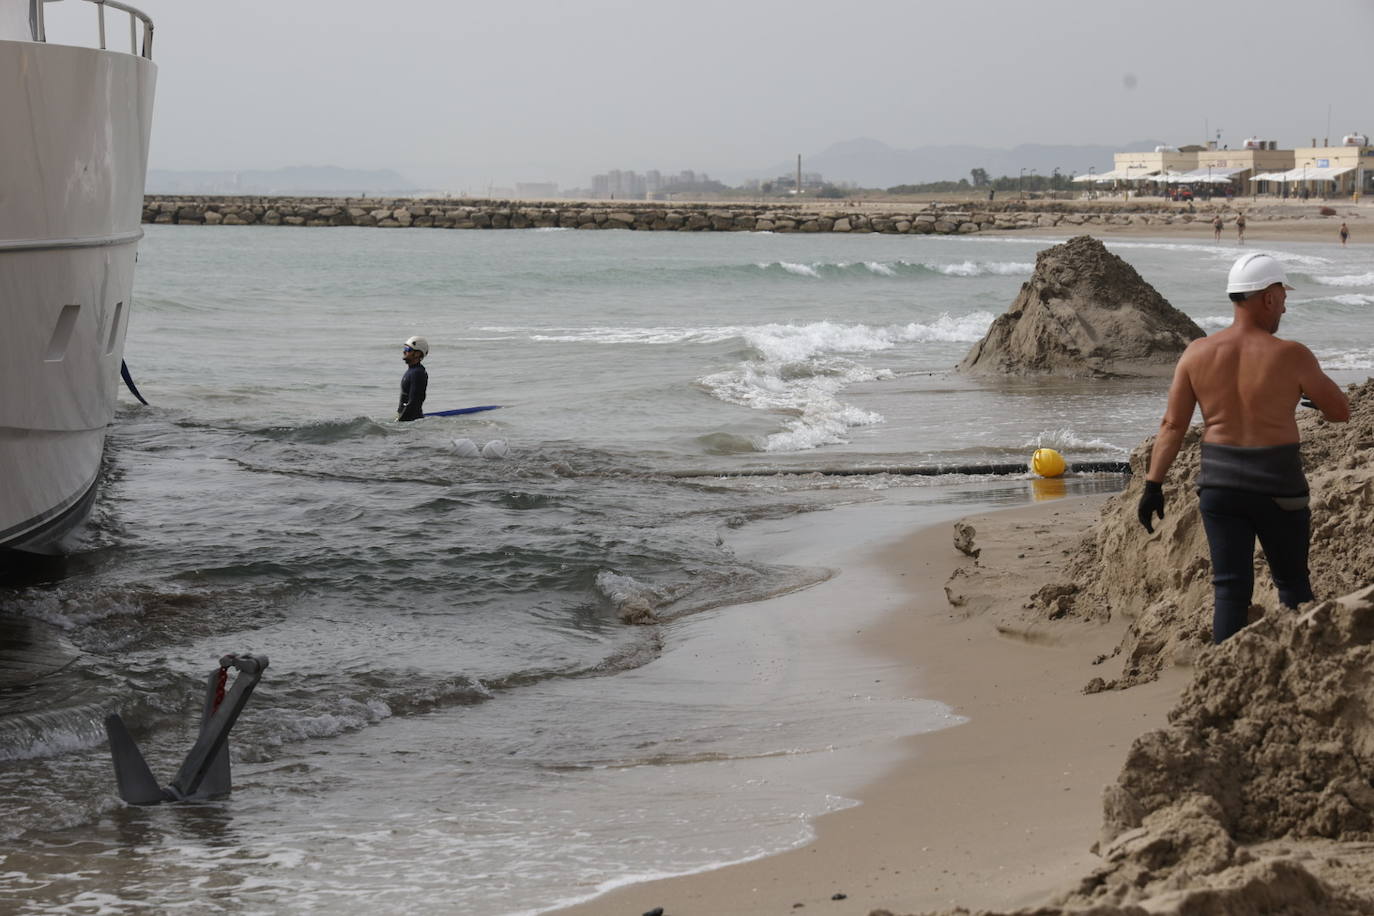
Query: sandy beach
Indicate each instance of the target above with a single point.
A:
(1264, 223)
(1038, 799)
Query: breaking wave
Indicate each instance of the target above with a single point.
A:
(1347, 280)
(1353, 299)
(774, 341)
(799, 371)
(1360, 360)
(891, 269)
(1066, 440)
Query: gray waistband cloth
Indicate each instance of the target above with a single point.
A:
(1274, 470)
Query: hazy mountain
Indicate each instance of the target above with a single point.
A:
(325, 180)
(873, 164)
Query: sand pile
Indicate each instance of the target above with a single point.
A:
(1161, 583)
(1257, 798)
(1084, 312)
(1276, 731)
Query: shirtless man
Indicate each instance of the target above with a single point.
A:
(1248, 383)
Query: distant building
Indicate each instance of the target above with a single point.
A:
(653, 185)
(1348, 167)
(1133, 166)
(1257, 167)
(1240, 166)
(810, 181)
(619, 185)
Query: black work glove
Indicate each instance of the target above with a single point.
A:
(1151, 503)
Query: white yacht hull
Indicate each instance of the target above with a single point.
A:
(74, 130)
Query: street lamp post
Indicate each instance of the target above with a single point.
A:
(1021, 184)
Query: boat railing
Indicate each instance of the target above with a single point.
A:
(40, 31)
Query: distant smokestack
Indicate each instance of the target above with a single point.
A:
(799, 174)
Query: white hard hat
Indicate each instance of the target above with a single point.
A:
(1254, 272)
(495, 449)
(418, 343)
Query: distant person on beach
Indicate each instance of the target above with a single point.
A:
(1217, 223)
(1248, 383)
(1345, 234)
(1240, 228)
(415, 381)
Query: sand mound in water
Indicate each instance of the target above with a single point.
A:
(1083, 312)
(1162, 583)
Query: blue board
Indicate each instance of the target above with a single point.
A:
(457, 411)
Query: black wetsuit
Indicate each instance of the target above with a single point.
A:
(413, 386)
(1246, 493)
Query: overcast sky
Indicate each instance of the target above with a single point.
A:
(467, 92)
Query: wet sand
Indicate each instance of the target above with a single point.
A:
(999, 811)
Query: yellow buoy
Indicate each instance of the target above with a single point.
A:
(1047, 462)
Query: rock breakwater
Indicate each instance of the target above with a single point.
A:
(817, 216)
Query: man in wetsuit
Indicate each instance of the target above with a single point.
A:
(415, 381)
(1248, 383)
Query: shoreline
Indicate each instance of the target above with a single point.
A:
(953, 822)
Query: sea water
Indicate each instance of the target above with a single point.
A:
(459, 715)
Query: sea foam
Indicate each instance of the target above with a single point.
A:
(1346, 280)
(1067, 440)
(1359, 360)
(801, 370)
(818, 270)
(978, 269)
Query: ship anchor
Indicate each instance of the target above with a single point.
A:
(205, 772)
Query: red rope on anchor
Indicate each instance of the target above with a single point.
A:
(219, 689)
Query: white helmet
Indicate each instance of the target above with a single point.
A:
(418, 343)
(1254, 272)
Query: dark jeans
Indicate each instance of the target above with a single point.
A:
(1233, 519)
